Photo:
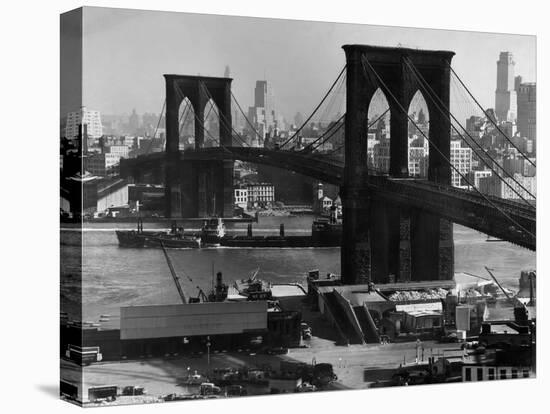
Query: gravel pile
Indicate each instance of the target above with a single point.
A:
(406, 295)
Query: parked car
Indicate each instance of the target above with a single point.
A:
(306, 387)
(235, 390)
(277, 351)
(175, 397)
(449, 338)
(470, 345)
(133, 390)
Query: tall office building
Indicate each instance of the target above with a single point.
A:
(85, 116)
(262, 114)
(505, 95)
(527, 110)
(260, 94)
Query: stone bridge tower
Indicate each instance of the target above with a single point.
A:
(197, 189)
(385, 242)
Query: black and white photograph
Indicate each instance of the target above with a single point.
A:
(245, 206)
(254, 206)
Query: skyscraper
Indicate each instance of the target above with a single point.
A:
(505, 95)
(85, 116)
(260, 94)
(262, 114)
(527, 110)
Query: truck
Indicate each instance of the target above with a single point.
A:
(83, 355)
(106, 392)
(208, 388)
(323, 374)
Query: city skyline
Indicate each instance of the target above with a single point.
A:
(283, 52)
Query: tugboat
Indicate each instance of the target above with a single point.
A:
(213, 230)
(327, 231)
(173, 239)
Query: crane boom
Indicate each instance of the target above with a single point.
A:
(174, 274)
(498, 283)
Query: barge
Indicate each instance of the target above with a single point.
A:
(324, 233)
(175, 238)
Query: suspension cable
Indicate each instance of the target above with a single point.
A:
(488, 117)
(336, 124)
(221, 116)
(365, 60)
(185, 112)
(369, 126)
(157, 127)
(201, 122)
(444, 110)
(335, 130)
(316, 108)
(246, 118)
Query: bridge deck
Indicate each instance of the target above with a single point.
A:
(505, 219)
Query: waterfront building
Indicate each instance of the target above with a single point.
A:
(241, 197)
(505, 94)
(461, 159)
(85, 117)
(260, 194)
(527, 110)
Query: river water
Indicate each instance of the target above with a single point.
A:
(113, 277)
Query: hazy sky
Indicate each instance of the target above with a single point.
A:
(126, 52)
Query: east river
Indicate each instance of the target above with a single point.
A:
(113, 277)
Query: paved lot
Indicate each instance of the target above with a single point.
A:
(357, 366)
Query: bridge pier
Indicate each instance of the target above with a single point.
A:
(384, 241)
(356, 244)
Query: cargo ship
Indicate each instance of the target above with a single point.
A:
(175, 238)
(324, 233)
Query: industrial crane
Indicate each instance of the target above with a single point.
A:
(183, 297)
(219, 291)
(520, 309)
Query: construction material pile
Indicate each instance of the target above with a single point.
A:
(470, 293)
(406, 295)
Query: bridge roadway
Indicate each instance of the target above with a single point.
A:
(457, 205)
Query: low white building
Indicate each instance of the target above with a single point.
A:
(241, 197)
(260, 193)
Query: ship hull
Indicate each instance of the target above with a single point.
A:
(152, 239)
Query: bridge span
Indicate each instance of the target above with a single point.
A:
(394, 227)
(487, 215)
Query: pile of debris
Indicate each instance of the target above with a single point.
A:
(406, 295)
(470, 293)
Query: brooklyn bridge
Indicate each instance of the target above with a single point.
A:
(393, 223)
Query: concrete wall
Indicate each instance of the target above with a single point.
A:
(350, 314)
(116, 198)
(161, 321)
